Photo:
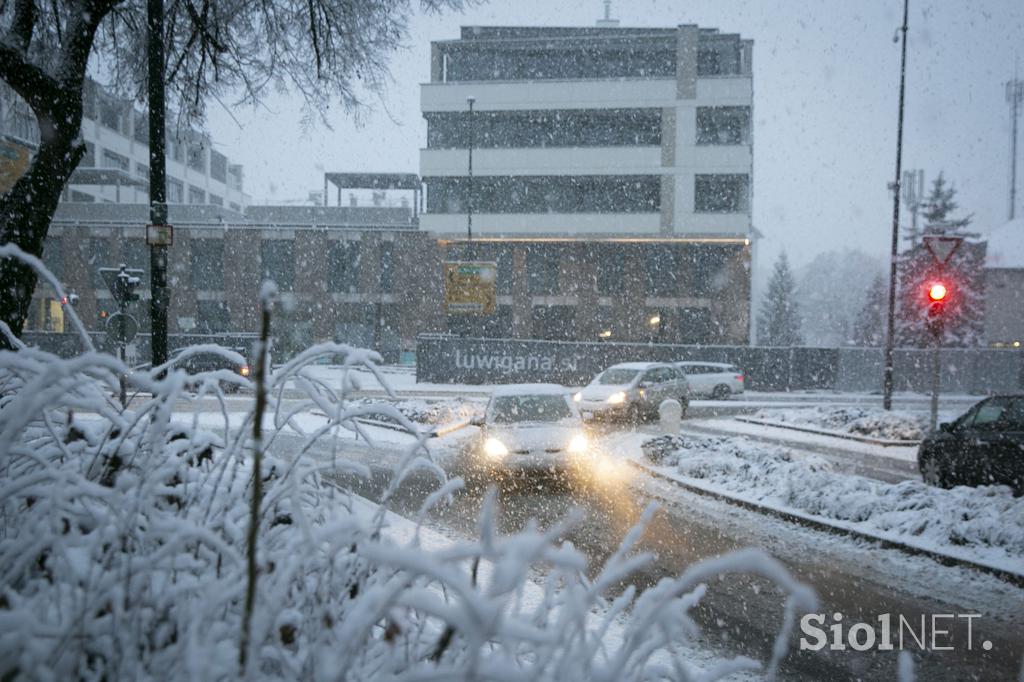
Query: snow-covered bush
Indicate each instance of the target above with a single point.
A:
(863, 421)
(126, 539)
(987, 521)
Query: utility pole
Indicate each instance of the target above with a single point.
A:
(157, 183)
(890, 332)
(1014, 95)
(469, 195)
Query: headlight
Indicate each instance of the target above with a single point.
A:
(244, 371)
(616, 398)
(494, 448)
(578, 445)
(578, 396)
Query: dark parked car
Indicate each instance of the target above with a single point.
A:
(210, 361)
(984, 446)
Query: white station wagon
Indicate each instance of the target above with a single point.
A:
(716, 380)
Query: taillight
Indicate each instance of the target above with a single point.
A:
(739, 377)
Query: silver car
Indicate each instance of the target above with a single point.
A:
(528, 427)
(633, 391)
(713, 379)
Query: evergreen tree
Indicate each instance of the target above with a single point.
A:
(964, 311)
(869, 325)
(778, 323)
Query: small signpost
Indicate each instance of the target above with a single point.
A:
(938, 291)
(122, 327)
(160, 235)
(470, 287)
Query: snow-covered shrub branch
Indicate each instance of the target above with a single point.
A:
(123, 548)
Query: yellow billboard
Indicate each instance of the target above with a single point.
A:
(14, 160)
(470, 287)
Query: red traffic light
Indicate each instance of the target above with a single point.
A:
(937, 291)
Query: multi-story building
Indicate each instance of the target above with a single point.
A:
(607, 170)
(115, 168)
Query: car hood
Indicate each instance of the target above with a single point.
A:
(533, 437)
(602, 391)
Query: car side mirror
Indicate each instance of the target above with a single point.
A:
(644, 384)
(946, 427)
(476, 421)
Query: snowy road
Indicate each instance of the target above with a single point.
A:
(854, 578)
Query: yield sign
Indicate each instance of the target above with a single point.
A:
(941, 247)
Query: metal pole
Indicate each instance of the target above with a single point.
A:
(1015, 93)
(120, 352)
(936, 372)
(157, 180)
(469, 196)
(890, 332)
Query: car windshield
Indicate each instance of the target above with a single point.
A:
(617, 376)
(509, 409)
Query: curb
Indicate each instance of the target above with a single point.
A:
(1015, 579)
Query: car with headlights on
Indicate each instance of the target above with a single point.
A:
(528, 427)
(984, 446)
(209, 360)
(632, 391)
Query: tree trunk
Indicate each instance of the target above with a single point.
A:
(26, 211)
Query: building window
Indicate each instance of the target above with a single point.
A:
(611, 272)
(545, 61)
(235, 177)
(505, 267)
(197, 158)
(98, 257)
(196, 195)
(175, 150)
(207, 264)
(235, 207)
(723, 125)
(387, 265)
(661, 272)
(115, 160)
(135, 254)
(343, 266)
(542, 265)
(720, 58)
(141, 127)
(554, 323)
(706, 268)
(53, 256)
(546, 194)
(142, 170)
(89, 158)
(82, 197)
(110, 113)
(278, 262)
(549, 128)
(216, 200)
(175, 191)
(212, 317)
(218, 166)
(721, 194)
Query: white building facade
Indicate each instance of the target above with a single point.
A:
(611, 172)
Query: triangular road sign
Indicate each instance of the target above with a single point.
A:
(941, 247)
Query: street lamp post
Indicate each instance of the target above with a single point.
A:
(890, 332)
(469, 195)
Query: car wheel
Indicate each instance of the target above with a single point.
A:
(932, 473)
(721, 392)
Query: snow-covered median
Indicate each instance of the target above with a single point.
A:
(871, 422)
(978, 524)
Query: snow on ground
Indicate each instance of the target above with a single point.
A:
(809, 441)
(983, 524)
(862, 421)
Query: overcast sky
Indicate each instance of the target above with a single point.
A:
(826, 77)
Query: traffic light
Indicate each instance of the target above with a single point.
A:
(125, 286)
(938, 295)
(937, 292)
